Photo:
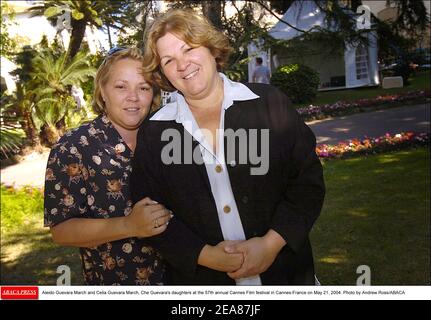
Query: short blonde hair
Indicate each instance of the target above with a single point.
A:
(102, 77)
(192, 28)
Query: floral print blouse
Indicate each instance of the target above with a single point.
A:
(87, 176)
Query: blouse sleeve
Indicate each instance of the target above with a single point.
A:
(65, 193)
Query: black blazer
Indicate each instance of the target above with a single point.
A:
(288, 199)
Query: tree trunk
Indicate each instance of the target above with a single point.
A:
(248, 13)
(212, 10)
(109, 35)
(30, 130)
(49, 135)
(78, 32)
(61, 126)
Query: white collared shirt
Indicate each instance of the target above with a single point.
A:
(215, 165)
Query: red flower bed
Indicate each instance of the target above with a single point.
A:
(340, 108)
(373, 145)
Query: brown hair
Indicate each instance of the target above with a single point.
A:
(192, 28)
(102, 77)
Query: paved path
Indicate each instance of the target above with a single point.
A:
(373, 124)
(31, 170)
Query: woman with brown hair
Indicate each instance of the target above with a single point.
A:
(235, 223)
(87, 195)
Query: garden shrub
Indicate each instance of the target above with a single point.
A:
(297, 81)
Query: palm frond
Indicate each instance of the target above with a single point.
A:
(10, 136)
(79, 76)
(10, 142)
(50, 110)
(41, 92)
(80, 60)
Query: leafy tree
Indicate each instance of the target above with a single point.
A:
(11, 140)
(412, 17)
(298, 81)
(8, 45)
(43, 101)
(83, 13)
(241, 28)
(24, 103)
(212, 10)
(396, 39)
(52, 80)
(23, 99)
(137, 15)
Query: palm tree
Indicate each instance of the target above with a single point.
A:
(83, 13)
(23, 104)
(23, 99)
(52, 79)
(11, 139)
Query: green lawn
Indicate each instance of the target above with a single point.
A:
(376, 213)
(28, 255)
(421, 81)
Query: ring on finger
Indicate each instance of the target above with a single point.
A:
(156, 223)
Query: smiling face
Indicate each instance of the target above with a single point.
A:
(192, 71)
(127, 95)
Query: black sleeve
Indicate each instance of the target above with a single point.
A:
(305, 187)
(177, 244)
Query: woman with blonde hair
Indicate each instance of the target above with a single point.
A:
(235, 222)
(87, 194)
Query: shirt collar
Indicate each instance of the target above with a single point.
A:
(108, 135)
(233, 91)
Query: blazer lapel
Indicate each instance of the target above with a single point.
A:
(232, 120)
(199, 167)
(232, 117)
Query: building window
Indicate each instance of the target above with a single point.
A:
(361, 62)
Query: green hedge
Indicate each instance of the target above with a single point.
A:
(298, 81)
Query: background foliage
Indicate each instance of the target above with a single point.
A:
(297, 81)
